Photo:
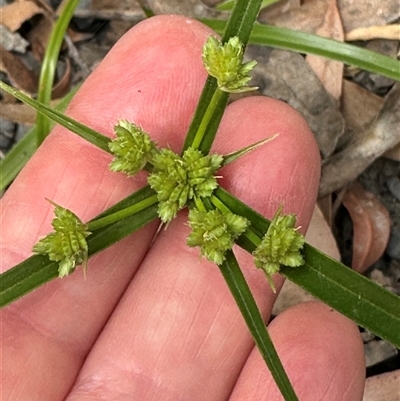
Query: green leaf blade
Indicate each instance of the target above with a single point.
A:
(38, 270)
(49, 65)
(351, 294)
(23, 150)
(69, 123)
(302, 42)
(244, 299)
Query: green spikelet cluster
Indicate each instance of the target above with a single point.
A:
(281, 245)
(178, 179)
(215, 232)
(132, 148)
(225, 63)
(67, 244)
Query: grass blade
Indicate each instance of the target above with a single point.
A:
(302, 42)
(49, 66)
(23, 150)
(241, 292)
(74, 126)
(38, 269)
(351, 294)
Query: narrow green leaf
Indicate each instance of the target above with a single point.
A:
(231, 157)
(351, 294)
(244, 299)
(49, 65)
(114, 217)
(302, 42)
(23, 150)
(38, 270)
(242, 20)
(74, 126)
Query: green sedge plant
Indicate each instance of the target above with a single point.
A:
(216, 218)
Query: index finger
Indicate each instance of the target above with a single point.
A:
(153, 76)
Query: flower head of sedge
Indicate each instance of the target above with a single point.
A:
(281, 245)
(67, 244)
(178, 179)
(132, 148)
(215, 232)
(225, 63)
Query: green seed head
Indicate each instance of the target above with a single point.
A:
(132, 148)
(67, 244)
(215, 232)
(178, 179)
(225, 63)
(281, 245)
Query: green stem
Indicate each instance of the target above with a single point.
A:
(76, 127)
(22, 151)
(250, 234)
(220, 205)
(49, 65)
(244, 299)
(199, 204)
(252, 237)
(121, 214)
(207, 118)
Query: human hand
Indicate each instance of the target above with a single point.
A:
(158, 323)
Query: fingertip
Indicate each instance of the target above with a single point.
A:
(325, 344)
(322, 353)
(284, 171)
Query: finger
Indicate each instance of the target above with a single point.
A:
(177, 333)
(321, 351)
(154, 77)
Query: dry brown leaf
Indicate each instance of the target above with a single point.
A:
(18, 113)
(329, 72)
(12, 41)
(383, 134)
(44, 4)
(17, 72)
(307, 18)
(357, 14)
(189, 8)
(286, 76)
(359, 107)
(326, 207)
(354, 14)
(15, 14)
(383, 387)
(371, 226)
(394, 153)
(39, 37)
(278, 9)
(62, 87)
(320, 236)
(391, 32)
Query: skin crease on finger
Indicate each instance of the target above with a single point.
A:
(153, 77)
